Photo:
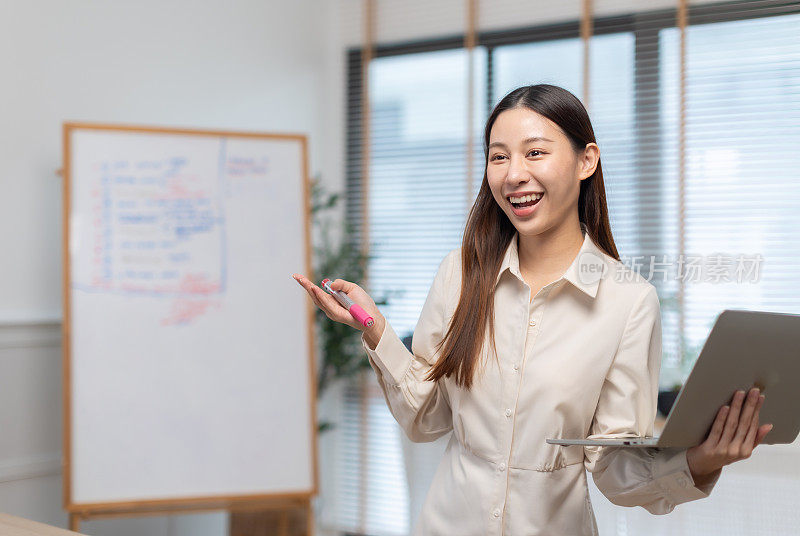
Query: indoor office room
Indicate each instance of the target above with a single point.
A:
(399, 268)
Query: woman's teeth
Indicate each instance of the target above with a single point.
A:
(525, 201)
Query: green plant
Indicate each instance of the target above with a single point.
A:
(341, 353)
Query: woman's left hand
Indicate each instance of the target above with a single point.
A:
(731, 439)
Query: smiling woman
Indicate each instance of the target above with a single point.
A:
(538, 141)
(570, 355)
(540, 165)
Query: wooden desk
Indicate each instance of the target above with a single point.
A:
(17, 526)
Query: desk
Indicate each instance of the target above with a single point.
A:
(17, 526)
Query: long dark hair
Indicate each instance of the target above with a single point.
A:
(488, 231)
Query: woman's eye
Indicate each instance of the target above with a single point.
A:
(495, 157)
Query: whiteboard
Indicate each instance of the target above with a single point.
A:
(188, 358)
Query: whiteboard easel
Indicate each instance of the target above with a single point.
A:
(189, 368)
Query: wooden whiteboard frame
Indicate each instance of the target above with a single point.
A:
(201, 503)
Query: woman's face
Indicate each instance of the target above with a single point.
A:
(529, 153)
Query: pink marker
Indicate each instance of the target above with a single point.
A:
(355, 309)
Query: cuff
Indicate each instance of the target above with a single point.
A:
(390, 355)
(671, 472)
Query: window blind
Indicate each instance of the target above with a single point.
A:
(418, 201)
(742, 107)
(742, 130)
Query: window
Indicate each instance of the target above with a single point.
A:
(742, 133)
(418, 202)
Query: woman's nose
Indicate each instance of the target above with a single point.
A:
(517, 171)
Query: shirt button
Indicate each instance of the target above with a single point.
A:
(516, 366)
(533, 322)
(508, 412)
(502, 467)
(496, 512)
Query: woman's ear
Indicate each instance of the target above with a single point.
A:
(587, 161)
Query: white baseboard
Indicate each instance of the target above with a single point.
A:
(21, 469)
(30, 334)
(34, 333)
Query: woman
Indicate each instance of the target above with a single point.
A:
(573, 347)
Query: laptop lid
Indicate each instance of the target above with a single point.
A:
(744, 349)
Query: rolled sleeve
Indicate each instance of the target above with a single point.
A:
(671, 470)
(420, 406)
(657, 479)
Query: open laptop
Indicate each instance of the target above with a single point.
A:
(745, 349)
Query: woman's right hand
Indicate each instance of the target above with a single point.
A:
(335, 311)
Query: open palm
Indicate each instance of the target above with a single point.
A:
(332, 308)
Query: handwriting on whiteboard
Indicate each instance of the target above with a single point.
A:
(158, 229)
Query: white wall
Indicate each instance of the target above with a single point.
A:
(240, 64)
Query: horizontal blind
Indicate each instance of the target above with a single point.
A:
(385, 496)
(742, 131)
(740, 104)
(418, 197)
(418, 187)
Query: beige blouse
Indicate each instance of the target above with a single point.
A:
(581, 359)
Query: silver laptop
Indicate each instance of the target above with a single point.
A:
(745, 349)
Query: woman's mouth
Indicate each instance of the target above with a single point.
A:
(527, 207)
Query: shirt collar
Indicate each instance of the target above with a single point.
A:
(584, 273)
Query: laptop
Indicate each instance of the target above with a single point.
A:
(745, 349)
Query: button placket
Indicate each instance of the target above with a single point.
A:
(534, 312)
(528, 341)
